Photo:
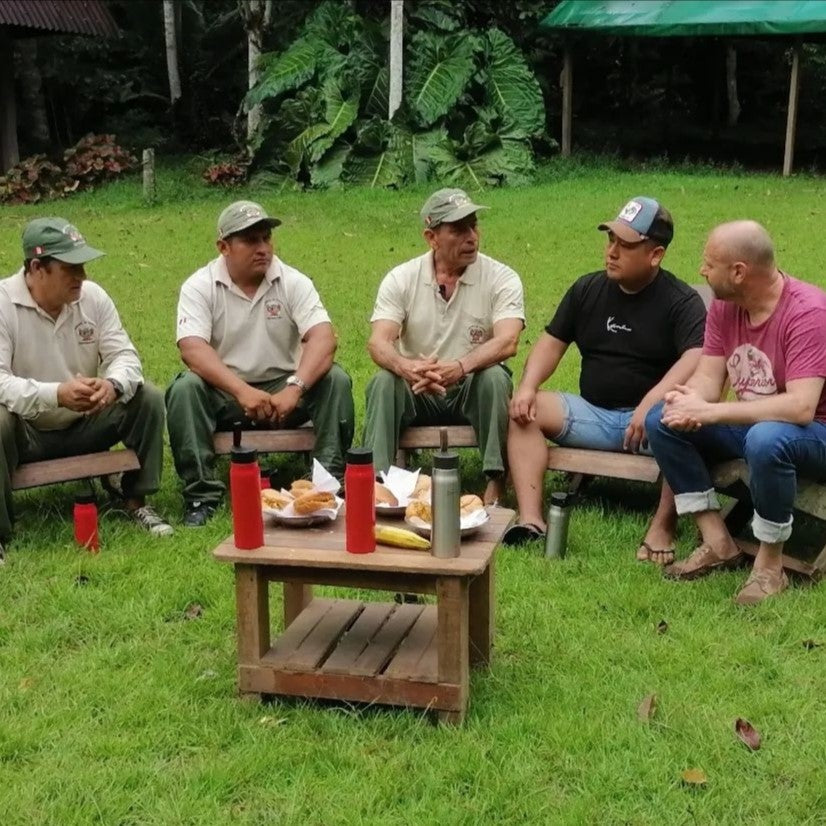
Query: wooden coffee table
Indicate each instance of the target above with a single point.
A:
(374, 652)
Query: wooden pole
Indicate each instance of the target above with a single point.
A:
(567, 81)
(9, 152)
(148, 175)
(396, 55)
(791, 116)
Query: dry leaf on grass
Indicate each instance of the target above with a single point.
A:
(662, 626)
(747, 733)
(694, 777)
(810, 645)
(647, 708)
(26, 683)
(193, 611)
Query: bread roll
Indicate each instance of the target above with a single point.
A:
(422, 489)
(275, 499)
(301, 486)
(470, 503)
(421, 510)
(314, 501)
(384, 497)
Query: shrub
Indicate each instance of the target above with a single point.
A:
(96, 159)
(227, 173)
(32, 180)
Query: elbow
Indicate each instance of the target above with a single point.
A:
(804, 413)
(510, 347)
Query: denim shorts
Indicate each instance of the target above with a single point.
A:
(591, 427)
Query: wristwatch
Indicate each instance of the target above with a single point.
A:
(294, 381)
(118, 387)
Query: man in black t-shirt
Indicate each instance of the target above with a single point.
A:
(639, 330)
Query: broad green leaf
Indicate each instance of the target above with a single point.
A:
(335, 22)
(440, 14)
(327, 172)
(381, 170)
(299, 147)
(505, 162)
(439, 69)
(377, 95)
(291, 69)
(340, 113)
(511, 85)
(422, 144)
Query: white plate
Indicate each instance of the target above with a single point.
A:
(390, 510)
(288, 518)
(424, 529)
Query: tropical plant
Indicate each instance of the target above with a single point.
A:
(472, 107)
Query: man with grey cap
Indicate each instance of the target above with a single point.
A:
(639, 331)
(70, 379)
(259, 346)
(442, 326)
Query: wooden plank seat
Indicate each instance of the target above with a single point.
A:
(71, 468)
(297, 440)
(427, 438)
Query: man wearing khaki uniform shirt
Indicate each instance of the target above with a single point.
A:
(70, 379)
(443, 324)
(259, 346)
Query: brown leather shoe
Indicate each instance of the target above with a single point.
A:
(703, 560)
(760, 585)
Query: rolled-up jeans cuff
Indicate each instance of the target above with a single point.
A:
(767, 531)
(697, 501)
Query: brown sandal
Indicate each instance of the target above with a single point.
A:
(703, 561)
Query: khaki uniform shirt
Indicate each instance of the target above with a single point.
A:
(258, 338)
(487, 292)
(38, 352)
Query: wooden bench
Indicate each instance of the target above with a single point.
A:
(729, 478)
(299, 440)
(427, 438)
(71, 468)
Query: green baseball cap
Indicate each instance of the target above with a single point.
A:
(57, 238)
(240, 216)
(446, 206)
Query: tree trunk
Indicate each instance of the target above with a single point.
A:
(731, 85)
(36, 123)
(396, 55)
(9, 154)
(171, 38)
(256, 15)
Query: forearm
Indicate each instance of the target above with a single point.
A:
(27, 397)
(542, 361)
(125, 368)
(783, 407)
(493, 351)
(202, 360)
(316, 360)
(385, 355)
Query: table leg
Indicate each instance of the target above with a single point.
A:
(453, 641)
(252, 608)
(297, 596)
(482, 603)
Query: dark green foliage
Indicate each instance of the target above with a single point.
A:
(471, 103)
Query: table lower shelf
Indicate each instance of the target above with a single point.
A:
(363, 652)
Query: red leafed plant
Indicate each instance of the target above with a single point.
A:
(228, 173)
(96, 158)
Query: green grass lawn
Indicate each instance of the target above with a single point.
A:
(115, 708)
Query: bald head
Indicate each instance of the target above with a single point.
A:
(745, 241)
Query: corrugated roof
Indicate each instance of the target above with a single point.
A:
(74, 16)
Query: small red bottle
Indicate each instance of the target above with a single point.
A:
(86, 522)
(245, 494)
(360, 509)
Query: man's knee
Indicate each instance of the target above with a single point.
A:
(494, 383)
(337, 379)
(150, 401)
(765, 444)
(382, 382)
(653, 423)
(185, 386)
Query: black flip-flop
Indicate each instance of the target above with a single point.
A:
(520, 534)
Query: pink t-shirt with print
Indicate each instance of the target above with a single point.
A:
(789, 344)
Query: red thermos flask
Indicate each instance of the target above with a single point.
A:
(360, 509)
(86, 522)
(245, 493)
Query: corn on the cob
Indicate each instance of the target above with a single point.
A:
(400, 538)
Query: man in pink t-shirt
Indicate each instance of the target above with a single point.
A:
(766, 334)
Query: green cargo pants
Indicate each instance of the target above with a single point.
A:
(480, 400)
(196, 410)
(138, 424)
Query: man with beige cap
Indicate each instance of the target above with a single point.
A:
(443, 325)
(71, 381)
(259, 346)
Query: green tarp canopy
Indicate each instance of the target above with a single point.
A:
(689, 18)
(793, 19)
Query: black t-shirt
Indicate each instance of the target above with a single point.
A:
(628, 341)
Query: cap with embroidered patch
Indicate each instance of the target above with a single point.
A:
(641, 219)
(446, 206)
(242, 215)
(57, 238)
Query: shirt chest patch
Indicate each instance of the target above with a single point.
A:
(273, 309)
(476, 334)
(614, 325)
(86, 332)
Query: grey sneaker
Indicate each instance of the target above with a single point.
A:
(149, 520)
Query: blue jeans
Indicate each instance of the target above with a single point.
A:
(591, 427)
(774, 451)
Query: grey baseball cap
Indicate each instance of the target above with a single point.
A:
(241, 215)
(57, 238)
(446, 206)
(641, 219)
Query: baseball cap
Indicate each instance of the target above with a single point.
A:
(241, 215)
(642, 218)
(446, 206)
(57, 238)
